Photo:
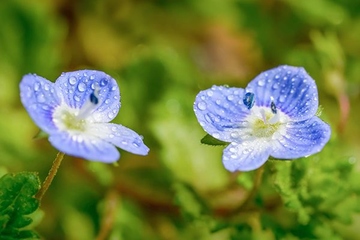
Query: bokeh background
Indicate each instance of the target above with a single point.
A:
(162, 53)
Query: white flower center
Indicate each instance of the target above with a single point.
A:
(75, 120)
(262, 123)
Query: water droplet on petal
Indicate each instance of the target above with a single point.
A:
(110, 115)
(230, 97)
(114, 129)
(113, 88)
(92, 77)
(234, 135)
(282, 98)
(76, 98)
(275, 86)
(246, 151)
(107, 101)
(72, 80)
(210, 93)
(93, 86)
(111, 136)
(216, 135)
(201, 105)
(124, 142)
(81, 87)
(45, 107)
(40, 98)
(46, 87)
(36, 86)
(103, 82)
(261, 82)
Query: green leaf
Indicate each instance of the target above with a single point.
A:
(17, 201)
(191, 204)
(210, 140)
(290, 189)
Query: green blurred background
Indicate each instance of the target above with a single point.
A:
(162, 53)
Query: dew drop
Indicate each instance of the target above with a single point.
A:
(275, 86)
(136, 143)
(111, 136)
(201, 105)
(81, 87)
(113, 128)
(261, 82)
(45, 107)
(92, 77)
(46, 87)
(218, 102)
(76, 98)
(113, 88)
(124, 142)
(37, 86)
(107, 101)
(40, 98)
(216, 135)
(234, 135)
(233, 150)
(72, 80)
(110, 115)
(230, 97)
(210, 93)
(103, 82)
(93, 86)
(282, 98)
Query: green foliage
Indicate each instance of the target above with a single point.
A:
(210, 140)
(17, 202)
(162, 53)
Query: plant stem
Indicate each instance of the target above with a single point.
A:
(257, 180)
(53, 170)
(110, 213)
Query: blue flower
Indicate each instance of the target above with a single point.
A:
(75, 112)
(273, 116)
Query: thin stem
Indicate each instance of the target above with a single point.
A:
(111, 205)
(257, 181)
(53, 170)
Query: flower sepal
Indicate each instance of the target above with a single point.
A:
(40, 135)
(210, 140)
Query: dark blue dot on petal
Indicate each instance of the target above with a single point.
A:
(93, 98)
(249, 99)
(273, 108)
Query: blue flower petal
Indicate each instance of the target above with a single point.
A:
(302, 139)
(293, 91)
(246, 156)
(85, 146)
(39, 97)
(120, 136)
(219, 110)
(77, 87)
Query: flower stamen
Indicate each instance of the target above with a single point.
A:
(89, 106)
